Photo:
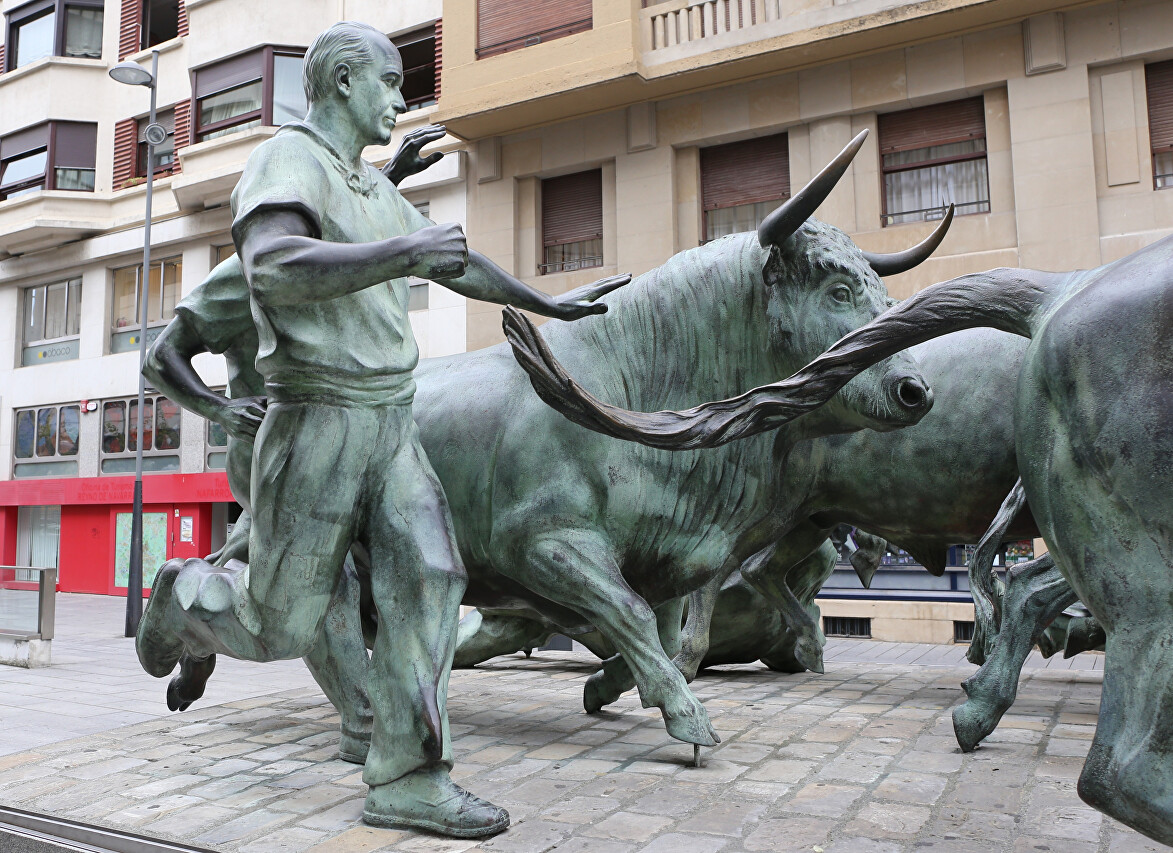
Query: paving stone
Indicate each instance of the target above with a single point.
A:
(628, 826)
(910, 787)
(823, 798)
(724, 818)
(889, 820)
(361, 839)
(679, 843)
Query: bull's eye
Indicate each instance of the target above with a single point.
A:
(841, 293)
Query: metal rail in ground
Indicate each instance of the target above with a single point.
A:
(28, 832)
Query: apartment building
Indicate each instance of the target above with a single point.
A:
(606, 135)
(73, 167)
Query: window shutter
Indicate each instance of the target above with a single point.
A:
(130, 33)
(74, 145)
(939, 124)
(745, 172)
(181, 19)
(182, 131)
(3, 67)
(1159, 85)
(504, 25)
(439, 54)
(164, 118)
(125, 149)
(572, 208)
(230, 73)
(24, 141)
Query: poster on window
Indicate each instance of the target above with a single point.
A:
(154, 547)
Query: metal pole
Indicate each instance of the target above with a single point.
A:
(134, 582)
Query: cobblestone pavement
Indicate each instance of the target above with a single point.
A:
(860, 760)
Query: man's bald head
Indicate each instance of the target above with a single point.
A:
(347, 42)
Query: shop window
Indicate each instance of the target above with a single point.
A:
(54, 28)
(259, 88)
(45, 441)
(504, 25)
(933, 157)
(50, 322)
(164, 156)
(162, 294)
(38, 540)
(742, 182)
(572, 222)
(57, 155)
(417, 49)
(1159, 86)
(161, 435)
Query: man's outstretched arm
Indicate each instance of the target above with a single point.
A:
(486, 281)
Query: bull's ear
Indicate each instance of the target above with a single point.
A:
(899, 262)
(777, 228)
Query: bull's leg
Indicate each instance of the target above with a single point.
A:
(694, 636)
(615, 678)
(578, 569)
(482, 636)
(1036, 592)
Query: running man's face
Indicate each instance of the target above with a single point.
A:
(375, 99)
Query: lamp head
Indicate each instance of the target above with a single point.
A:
(132, 74)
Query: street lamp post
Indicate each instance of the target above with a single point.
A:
(133, 74)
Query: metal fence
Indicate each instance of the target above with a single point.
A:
(27, 599)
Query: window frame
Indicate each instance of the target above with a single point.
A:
(264, 56)
(411, 39)
(744, 155)
(144, 14)
(1160, 119)
(931, 214)
(25, 467)
(44, 137)
(30, 12)
(166, 118)
(135, 326)
(128, 453)
(548, 267)
(69, 282)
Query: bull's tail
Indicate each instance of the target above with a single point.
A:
(1012, 300)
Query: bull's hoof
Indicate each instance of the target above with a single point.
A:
(973, 722)
(599, 692)
(692, 726)
(188, 685)
(809, 654)
(156, 643)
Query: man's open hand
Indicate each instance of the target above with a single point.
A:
(407, 160)
(242, 417)
(580, 302)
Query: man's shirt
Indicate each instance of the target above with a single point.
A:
(356, 348)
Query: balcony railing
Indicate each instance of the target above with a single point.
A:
(676, 22)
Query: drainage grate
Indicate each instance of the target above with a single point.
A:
(962, 631)
(847, 626)
(29, 832)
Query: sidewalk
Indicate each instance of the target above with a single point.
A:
(860, 760)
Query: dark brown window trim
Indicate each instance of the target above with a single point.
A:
(265, 77)
(31, 11)
(48, 131)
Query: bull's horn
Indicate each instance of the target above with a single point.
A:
(899, 262)
(779, 225)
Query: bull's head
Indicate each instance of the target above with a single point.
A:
(821, 287)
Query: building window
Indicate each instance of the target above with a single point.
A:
(162, 294)
(57, 155)
(504, 25)
(160, 21)
(741, 182)
(223, 253)
(572, 222)
(38, 539)
(164, 154)
(962, 631)
(161, 419)
(847, 626)
(51, 322)
(1159, 85)
(54, 28)
(216, 450)
(417, 49)
(933, 157)
(259, 88)
(45, 441)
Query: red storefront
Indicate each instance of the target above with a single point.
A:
(94, 523)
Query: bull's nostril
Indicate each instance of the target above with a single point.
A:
(911, 393)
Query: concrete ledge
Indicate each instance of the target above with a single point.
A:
(27, 652)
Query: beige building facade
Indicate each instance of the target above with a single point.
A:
(641, 91)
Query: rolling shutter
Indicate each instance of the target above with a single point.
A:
(75, 145)
(939, 124)
(745, 172)
(125, 149)
(229, 73)
(1159, 85)
(504, 25)
(182, 131)
(572, 208)
(130, 31)
(182, 28)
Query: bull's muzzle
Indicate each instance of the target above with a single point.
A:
(910, 396)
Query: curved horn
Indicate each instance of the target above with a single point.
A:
(779, 225)
(903, 261)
